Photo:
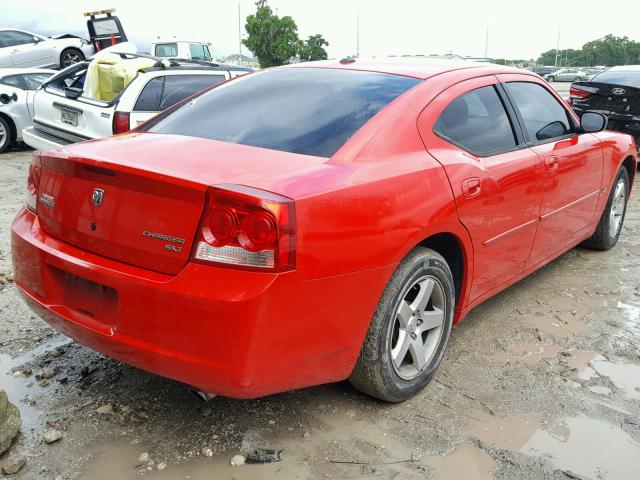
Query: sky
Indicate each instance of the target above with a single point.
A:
(517, 29)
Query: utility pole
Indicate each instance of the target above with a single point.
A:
(358, 35)
(239, 36)
(486, 42)
(557, 48)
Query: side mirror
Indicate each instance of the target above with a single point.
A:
(5, 99)
(552, 130)
(592, 122)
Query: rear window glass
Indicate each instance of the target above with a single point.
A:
(311, 111)
(628, 78)
(179, 87)
(167, 50)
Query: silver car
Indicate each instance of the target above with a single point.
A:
(19, 48)
(17, 88)
(568, 75)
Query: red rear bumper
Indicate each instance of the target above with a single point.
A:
(230, 332)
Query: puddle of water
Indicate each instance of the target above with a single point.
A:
(17, 387)
(580, 360)
(118, 459)
(625, 376)
(588, 447)
(508, 433)
(531, 354)
(467, 462)
(632, 317)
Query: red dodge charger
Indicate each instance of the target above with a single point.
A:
(317, 222)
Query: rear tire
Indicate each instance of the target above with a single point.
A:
(410, 329)
(6, 135)
(612, 219)
(70, 56)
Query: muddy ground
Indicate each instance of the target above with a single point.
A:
(541, 382)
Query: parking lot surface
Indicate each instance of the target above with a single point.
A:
(540, 382)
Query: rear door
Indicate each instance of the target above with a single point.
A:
(573, 164)
(495, 178)
(163, 92)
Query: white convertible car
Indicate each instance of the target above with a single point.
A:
(17, 88)
(19, 48)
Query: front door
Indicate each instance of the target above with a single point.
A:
(495, 178)
(573, 166)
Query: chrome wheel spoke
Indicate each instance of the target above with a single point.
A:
(618, 204)
(404, 314)
(424, 295)
(431, 319)
(399, 353)
(418, 353)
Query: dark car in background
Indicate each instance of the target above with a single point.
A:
(615, 93)
(542, 71)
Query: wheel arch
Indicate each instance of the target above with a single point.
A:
(458, 254)
(629, 164)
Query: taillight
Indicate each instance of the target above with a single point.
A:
(120, 122)
(248, 228)
(579, 94)
(33, 181)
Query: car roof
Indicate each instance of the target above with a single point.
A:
(21, 71)
(421, 68)
(625, 68)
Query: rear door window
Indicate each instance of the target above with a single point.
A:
(543, 117)
(34, 80)
(179, 87)
(167, 50)
(311, 111)
(12, 38)
(149, 99)
(477, 122)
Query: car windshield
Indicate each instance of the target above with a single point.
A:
(311, 111)
(628, 78)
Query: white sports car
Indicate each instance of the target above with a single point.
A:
(19, 48)
(17, 88)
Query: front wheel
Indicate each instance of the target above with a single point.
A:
(577, 79)
(409, 330)
(612, 219)
(70, 56)
(551, 79)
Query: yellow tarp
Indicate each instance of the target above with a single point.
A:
(109, 74)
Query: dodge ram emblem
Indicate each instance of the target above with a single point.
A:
(618, 91)
(98, 196)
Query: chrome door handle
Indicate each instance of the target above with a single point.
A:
(551, 162)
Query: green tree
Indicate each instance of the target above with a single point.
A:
(607, 51)
(313, 49)
(272, 39)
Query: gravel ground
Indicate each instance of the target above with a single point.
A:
(540, 382)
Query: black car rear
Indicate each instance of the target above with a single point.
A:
(615, 93)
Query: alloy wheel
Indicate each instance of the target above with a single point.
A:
(4, 135)
(415, 334)
(617, 207)
(70, 58)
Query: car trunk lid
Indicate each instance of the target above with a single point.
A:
(606, 97)
(138, 198)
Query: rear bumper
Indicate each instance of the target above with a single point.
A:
(40, 140)
(234, 333)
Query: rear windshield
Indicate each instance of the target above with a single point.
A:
(311, 111)
(628, 78)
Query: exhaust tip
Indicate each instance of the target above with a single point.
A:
(204, 396)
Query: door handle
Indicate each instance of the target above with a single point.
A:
(551, 162)
(471, 187)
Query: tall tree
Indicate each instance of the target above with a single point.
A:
(607, 51)
(313, 49)
(272, 39)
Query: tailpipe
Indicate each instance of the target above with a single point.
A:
(204, 396)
